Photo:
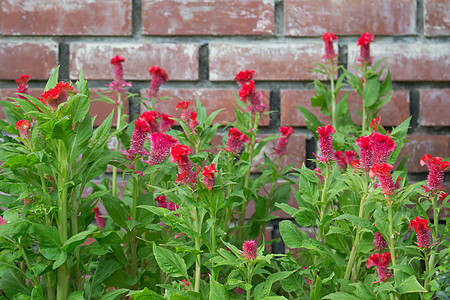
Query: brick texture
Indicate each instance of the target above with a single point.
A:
(37, 59)
(434, 108)
(198, 17)
(103, 109)
(179, 60)
(271, 61)
(48, 17)
(383, 17)
(410, 62)
(436, 17)
(212, 99)
(392, 114)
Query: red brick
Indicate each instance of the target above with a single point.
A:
(270, 61)
(38, 60)
(392, 114)
(421, 144)
(103, 109)
(179, 60)
(199, 17)
(46, 17)
(410, 62)
(436, 17)
(434, 108)
(212, 99)
(383, 17)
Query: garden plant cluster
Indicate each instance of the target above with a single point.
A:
(179, 231)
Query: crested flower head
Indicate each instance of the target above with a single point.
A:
(364, 41)
(160, 144)
(184, 105)
(24, 128)
(379, 242)
(244, 76)
(249, 249)
(326, 142)
(22, 85)
(247, 90)
(382, 173)
(381, 261)
(193, 121)
(165, 122)
(420, 226)
(208, 172)
(328, 38)
(159, 77)
(382, 147)
(141, 130)
(365, 153)
(436, 168)
(151, 117)
(179, 154)
(57, 95)
(119, 85)
(236, 140)
(283, 141)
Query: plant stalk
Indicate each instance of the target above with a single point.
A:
(116, 148)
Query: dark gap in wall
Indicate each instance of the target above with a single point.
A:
(134, 104)
(203, 62)
(277, 247)
(342, 58)
(414, 109)
(310, 149)
(420, 20)
(279, 17)
(136, 18)
(275, 107)
(63, 59)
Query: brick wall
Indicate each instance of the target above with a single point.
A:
(203, 44)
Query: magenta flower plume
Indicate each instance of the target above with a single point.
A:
(151, 117)
(118, 85)
(381, 261)
(318, 172)
(160, 144)
(249, 249)
(420, 226)
(375, 123)
(165, 122)
(365, 153)
(193, 121)
(382, 147)
(179, 154)
(208, 172)
(328, 38)
(364, 41)
(22, 85)
(326, 142)
(379, 242)
(57, 95)
(184, 105)
(161, 201)
(236, 140)
(141, 129)
(24, 128)
(101, 222)
(249, 94)
(382, 172)
(283, 141)
(436, 168)
(244, 76)
(159, 77)
(2, 221)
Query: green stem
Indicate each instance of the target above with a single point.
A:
(133, 240)
(333, 96)
(229, 190)
(364, 113)
(25, 257)
(198, 266)
(249, 280)
(391, 235)
(116, 148)
(435, 234)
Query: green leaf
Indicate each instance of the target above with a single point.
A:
(77, 239)
(145, 294)
(217, 291)
(62, 130)
(78, 295)
(12, 283)
(355, 220)
(410, 285)
(341, 296)
(113, 295)
(291, 235)
(171, 263)
(53, 80)
(386, 85)
(105, 268)
(371, 91)
(311, 120)
(37, 293)
(49, 242)
(115, 210)
(60, 261)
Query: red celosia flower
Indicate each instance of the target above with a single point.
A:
(208, 172)
(382, 172)
(193, 121)
(185, 113)
(436, 168)
(283, 141)
(151, 117)
(365, 153)
(249, 249)
(57, 95)
(375, 123)
(2, 221)
(118, 85)
(165, 122)
(101, 222)
(381, 261)
(184, 281)
(159, 77)
(141, 129)
(307, 281)
(22, 85)
(364, 41)
(340, 159)
(328, 38)
(236, 139)
(382, 147)
(160, 144)
(246, 90)
(326, 142)
(244, 76)
(443, 195)
(350, 156)
(239, 291)
(179, 155)
(24, 128)
(162, 202)
(422, 231)
(379, 242)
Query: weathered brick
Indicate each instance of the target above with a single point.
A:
(410, 62)
(270, 61)
(436, 17)
(38, 60)
(212, 99)
(434, 108)
(421, 144)
(198, 17)
(47, 17)
(103, 109)
(179, 60)
(392, 114)
(383, 17)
